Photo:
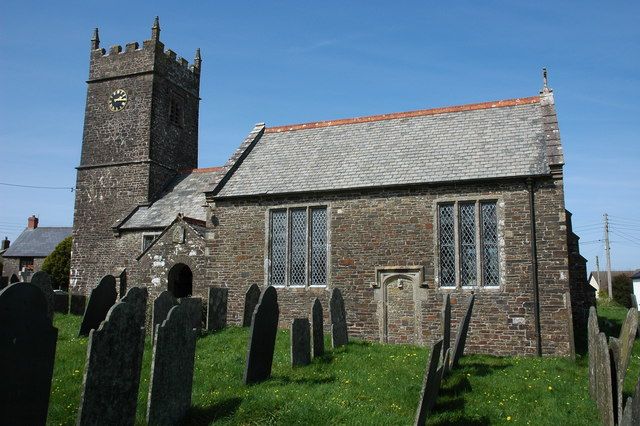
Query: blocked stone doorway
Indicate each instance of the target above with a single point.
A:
(180, 280)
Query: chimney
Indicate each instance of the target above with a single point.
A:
(32, 222)
(5, 244)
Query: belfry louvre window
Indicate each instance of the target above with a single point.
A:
(298, 247)
(468, 244)
(176, 111)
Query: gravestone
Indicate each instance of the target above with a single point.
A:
(604, 394)
(217, 308)
(193, 307)
(14, 279)
(60, 301)
(42, 280)
(339, 333)
(461, 336)
(112, 370)
(161, 307)
(635, 404)
(622, 354)
(250, 302)
(4, 282)
(77, 304)
(122, 283)
(445, 326)
(100, 301)
(430, 384)
(28, 342)
(171, 382)
(592, 330)
(262, 337)
(300, 342)
(137, 296)
(317, 326)
(446, 362)
(627, 415)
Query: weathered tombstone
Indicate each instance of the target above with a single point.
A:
(78, 304)
(122, 283)
(250, 302)
(604, 399)
(616, 390)
(635, 404)
(161, 307)
(100, 301)
(445, 326)
(137, 296)
(317, 326)
(430, 384)
(262, 337)
(339, 333)
(300, 342)
(622, 354)
(112, 370)
(171, 382)
(193, 306)
(28, 342)
(461, 336)
(446, 362)
(593, 330)
(627, 415)
(42, 280)
(14, 279)
(217, 308)
(4, 282)
(60, 301)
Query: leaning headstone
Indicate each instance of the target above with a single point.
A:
(112, 371)
(446, 362)
(430, 384)
(100, 301)
(161, 307)
(461, 336)
(250, 302)
(604, 393)
(77, 304)
(137, 296)
(339, 334)
(445, 326)
(622, 355)
(42, 280)
(28, 342)
(317, 327)
(172, 364)
(217, 308)
(616, 390)
(60, 301)
(300, 342)
(194, 311)
(262, 337)
(122, 283)
(592, 330)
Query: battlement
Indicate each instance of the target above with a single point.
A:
(151, 57)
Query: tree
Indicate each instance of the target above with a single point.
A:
(622, 289)
(57, 264)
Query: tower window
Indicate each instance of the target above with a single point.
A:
(176, 112)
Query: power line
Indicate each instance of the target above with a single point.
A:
(70, 188)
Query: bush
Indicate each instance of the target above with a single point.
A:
(622, 289)
(57, 264)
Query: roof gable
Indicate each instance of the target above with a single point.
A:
(37, 242)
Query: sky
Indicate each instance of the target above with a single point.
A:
(285, 62)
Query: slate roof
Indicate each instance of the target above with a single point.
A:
(184, 194)
(38, 242)
(499, 139)
(603, 275)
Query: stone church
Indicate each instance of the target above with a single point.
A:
(397, 210)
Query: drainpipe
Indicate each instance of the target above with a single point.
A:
(534, 268)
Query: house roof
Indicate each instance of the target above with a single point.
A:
(636, 275)
(517, 137)
(38, 242)
(184, 194)
(603, 275)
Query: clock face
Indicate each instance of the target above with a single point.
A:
(118, 100)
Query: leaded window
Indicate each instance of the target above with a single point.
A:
(298, 247)
(468, 244)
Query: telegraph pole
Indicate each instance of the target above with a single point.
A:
(608, 253)
(598, 269)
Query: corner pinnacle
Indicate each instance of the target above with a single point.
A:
(198, 60)
(95, 40)
(155, 30)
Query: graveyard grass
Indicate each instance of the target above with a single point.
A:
(363, 383)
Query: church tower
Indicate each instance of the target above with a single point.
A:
(140, 128)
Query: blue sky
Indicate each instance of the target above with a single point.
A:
(291, 61)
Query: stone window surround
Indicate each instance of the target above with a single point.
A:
(436, 237)
(148, 234)
(267, 245)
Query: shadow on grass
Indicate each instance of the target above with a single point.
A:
(205, 415)
(285, 380)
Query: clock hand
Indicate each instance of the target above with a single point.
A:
(120, 99)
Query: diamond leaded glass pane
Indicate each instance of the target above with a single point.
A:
(278, 247)
(298, 269)
(468, 266)
(319, 246)
(490, 264)
(447, 245)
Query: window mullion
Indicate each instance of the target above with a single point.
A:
(479, 250)
(287, 268)
(456, 244)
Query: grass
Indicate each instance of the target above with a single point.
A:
(364, 383)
